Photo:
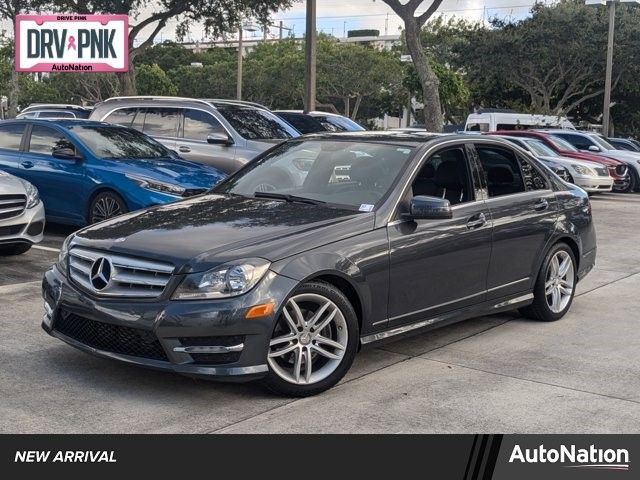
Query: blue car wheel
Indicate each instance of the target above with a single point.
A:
(106, 205)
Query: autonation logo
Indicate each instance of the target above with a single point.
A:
(574, 457)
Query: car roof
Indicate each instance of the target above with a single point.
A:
(413, 139)
(63, 122)
(54, 107)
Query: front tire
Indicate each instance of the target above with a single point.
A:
(555, 286)
(106, 205)
(14, 249)
(314, 341)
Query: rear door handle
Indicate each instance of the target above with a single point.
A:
(27, 164)
(476, 221)
(541, 205)
(184, 149)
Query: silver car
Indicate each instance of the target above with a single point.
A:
(21, 215)
(223, 133)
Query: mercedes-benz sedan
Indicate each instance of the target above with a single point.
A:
(354, 239)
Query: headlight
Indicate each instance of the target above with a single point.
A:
(63, 256)
(156, 185)
(33, 198)
(583, 170)
(228, 280)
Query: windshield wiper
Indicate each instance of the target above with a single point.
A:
(287, 198)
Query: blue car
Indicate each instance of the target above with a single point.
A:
(90, 171)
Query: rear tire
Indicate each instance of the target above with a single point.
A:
(555, 286)
(106, 205)
(14, 249)
(318, 328)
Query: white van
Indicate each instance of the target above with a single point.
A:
(494, 121)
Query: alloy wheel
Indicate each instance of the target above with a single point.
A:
(309, 340)
(104, 208)
(560, 281)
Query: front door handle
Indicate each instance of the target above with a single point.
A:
(27, 164)
(541, 205)
(184, 149)
(476, 221)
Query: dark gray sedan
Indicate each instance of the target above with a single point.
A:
(318, 247)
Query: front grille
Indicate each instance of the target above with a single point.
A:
(12, 205)
(110, 338)
(10, 230)
(602, 171)
(127, 276)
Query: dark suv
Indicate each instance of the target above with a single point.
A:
(225, 134)
(286, 285)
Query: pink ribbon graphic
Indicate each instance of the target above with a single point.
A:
(72, 43)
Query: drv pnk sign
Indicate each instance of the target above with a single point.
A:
(72, 43)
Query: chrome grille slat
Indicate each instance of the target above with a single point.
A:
(12, 205)
(131, 277)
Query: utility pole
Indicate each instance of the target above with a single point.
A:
(239, 81)
(607, 81)
(310, 59)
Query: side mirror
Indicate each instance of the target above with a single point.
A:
(218, 138)
(423, 207)
(593, 148)
(65, 153)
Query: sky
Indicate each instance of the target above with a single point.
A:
(337, 17)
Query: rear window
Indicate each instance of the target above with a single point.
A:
(256, 124)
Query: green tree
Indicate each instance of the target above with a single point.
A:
(33, 91)
(151, 16)
(152, 80)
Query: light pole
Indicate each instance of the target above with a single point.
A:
(606, 108)
(310, 59)
(250, 28)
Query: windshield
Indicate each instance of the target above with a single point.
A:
(355, 175)
(561, 144)
(539, 148)
(338, 124)
(114, 142)
(602, 142)
(256, 124)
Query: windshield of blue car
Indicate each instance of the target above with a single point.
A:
(256, 124)
(350, 174)
(114, 142)
(539, 148)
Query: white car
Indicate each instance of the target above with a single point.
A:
(595, 143)
(590, 176)
(21, 215)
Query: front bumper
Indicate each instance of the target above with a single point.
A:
(176, 325)
(593, 184)
(28, 227)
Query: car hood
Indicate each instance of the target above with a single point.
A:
(175, 171)
(205, 231)
(566, 161)
(591, 157)
(10, 185)
(623, 155)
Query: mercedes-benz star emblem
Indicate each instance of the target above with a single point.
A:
(101, 273)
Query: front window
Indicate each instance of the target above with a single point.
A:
(256, 124)
(602, 142)
(561, 144)
(112, 142)
(349, 174)
(45, 140)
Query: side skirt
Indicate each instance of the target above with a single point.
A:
(421, 326)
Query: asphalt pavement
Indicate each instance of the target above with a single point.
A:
(500, 373)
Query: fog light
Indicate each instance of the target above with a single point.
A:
(262, 310)
(48, 315)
